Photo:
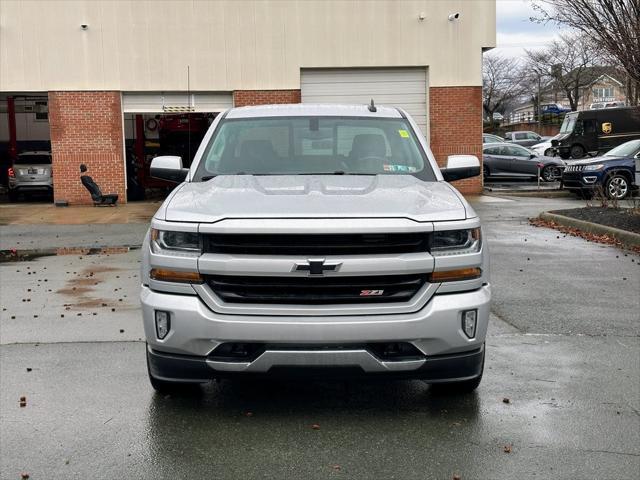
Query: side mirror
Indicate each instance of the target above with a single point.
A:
(533, 155)
(461, 166)
(168, 168)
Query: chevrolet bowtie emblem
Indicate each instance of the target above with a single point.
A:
(316, 266)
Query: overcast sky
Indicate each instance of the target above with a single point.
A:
(516, 32)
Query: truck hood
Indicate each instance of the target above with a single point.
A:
(313, 196)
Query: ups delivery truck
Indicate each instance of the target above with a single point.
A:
(592, 132)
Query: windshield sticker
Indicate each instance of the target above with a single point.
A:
(403, 133)
(399, 168)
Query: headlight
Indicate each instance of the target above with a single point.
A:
(593, 168)
(174, 242)
(456, 242)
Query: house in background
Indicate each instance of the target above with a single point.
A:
(598, 89)
(604, 89)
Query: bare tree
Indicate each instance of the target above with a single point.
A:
(614, 25)
(501, 83)
(565, 64)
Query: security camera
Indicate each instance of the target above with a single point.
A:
(84, 26)
(454, 16)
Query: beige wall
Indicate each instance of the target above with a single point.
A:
(232, 45)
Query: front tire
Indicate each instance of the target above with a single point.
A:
(577, 151)
(617, 187)
(462, 387)
(550, 173)
(165, 387)
(485, 172)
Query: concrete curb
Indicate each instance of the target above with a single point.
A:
(628, 239)
(528, 193)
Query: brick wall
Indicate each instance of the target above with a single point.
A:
(455, 115)
(265, 97)
(86, 127)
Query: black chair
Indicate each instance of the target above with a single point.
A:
(99, 200)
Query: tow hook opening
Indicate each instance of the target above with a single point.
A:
(395, 351)
(237, 352)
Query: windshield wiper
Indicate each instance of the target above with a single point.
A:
(337, 172)
(209, 177)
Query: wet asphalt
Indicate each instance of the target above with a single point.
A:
(563, 349)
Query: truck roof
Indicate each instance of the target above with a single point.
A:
(315, 110)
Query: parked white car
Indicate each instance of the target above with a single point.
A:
(543, 148)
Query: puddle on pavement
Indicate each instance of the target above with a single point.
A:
(81, 289)
(14, 255)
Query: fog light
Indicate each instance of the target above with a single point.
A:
(469, 322)
(163, 324)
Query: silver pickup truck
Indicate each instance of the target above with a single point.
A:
(315, 240)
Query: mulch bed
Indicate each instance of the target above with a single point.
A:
(622, 218)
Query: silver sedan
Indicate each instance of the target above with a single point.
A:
(508, 160)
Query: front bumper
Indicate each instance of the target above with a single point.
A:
(435, 369)
(576, 181)
(435, 330)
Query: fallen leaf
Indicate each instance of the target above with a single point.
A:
(315, 426)
(506, 400)
(506, 449)
(456, 477)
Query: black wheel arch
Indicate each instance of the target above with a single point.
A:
(618, 171)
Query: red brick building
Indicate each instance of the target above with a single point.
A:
(104, 74)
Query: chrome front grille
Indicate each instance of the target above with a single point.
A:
(317, 245)
(316, 290)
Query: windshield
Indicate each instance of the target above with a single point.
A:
(628, 149)
(33, 160)
(314, 145)
(568, 123)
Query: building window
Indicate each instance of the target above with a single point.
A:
(603, 92)
(42, 111)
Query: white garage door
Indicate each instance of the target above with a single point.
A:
(401, 87)
(176, 102)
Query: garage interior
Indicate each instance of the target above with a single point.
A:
(153, 124)
(164, 124)
(24, 127)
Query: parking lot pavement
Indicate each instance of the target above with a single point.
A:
(564, 349)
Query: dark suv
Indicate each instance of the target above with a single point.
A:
(613, 173)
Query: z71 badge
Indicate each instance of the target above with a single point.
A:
(371, 293)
